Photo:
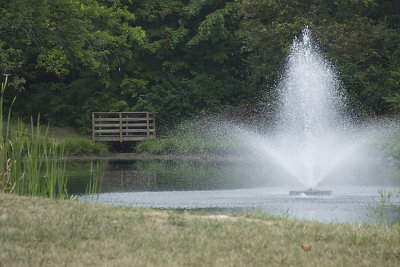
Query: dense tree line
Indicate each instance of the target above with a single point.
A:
(361, 39)
(181, 58)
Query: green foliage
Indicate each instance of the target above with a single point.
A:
(54, 60)
(29, 163)
(185, 58)
(67, 54)
(186, 145)
(193, 66)
(359, 37)
(176, 58)
(383, 204)
(192, 137)
(83, 146)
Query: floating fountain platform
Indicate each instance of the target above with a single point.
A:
(310, 192)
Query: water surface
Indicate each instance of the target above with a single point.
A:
(227, 187)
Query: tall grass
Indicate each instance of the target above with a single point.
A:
(29, 163)
(94, 186)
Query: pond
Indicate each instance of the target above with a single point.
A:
(229, 186)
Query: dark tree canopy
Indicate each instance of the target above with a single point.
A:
(189, 57)
(359, 37)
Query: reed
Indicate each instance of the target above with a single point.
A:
(29, 163)
(92, 191)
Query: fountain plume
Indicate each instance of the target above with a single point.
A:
(309, 122)
(313, 136)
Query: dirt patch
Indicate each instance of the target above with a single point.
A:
(161, 216)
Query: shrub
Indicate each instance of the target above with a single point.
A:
(83, 146)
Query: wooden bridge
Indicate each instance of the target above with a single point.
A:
(123, 126)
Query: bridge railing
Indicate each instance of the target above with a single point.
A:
(123, 126)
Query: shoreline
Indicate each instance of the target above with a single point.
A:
(168, 157)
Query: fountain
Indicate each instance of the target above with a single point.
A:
(312, 134)
(311, 104)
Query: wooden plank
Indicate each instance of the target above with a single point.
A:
(136, 119)
(126, 138)
(93, 126)
(154, 127)
(100, 122)
(147, 124)
(123, 113)
(124, 119)
(113, 118)
(120, 127)
(137, 130)
(106, 125)
(129, 125)
(123, 126)
(117, 131)
(134, 125)
(106, 119)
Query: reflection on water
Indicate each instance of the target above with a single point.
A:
(237, 187)
(165, 175)
(79, 175)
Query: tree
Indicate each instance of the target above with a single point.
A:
(63, 46)
(193, 62)
(176, 58)
(358, 37)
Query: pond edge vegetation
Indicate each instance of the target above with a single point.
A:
(30, 162)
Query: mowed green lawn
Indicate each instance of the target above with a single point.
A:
(41, 232)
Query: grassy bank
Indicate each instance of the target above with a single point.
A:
(73, 142)
(83, 147)
(44, 232)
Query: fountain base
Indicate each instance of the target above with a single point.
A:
(310, 192)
